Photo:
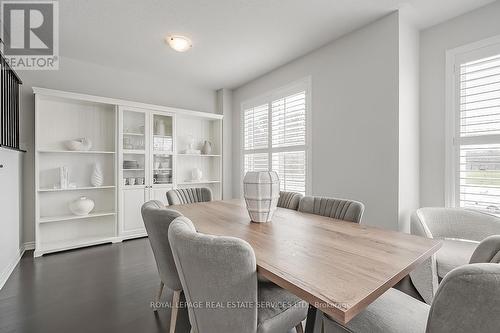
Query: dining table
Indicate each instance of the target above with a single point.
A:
(336, 266)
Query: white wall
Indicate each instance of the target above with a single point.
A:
(225, 107)
(82, 77)
(473, 26)
(409, 169)
(354, 117)
(11, 246)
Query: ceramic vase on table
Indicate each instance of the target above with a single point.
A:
(96, 179)
(81, 206)
(261, 190)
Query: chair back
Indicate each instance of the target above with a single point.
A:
(459, 223)
(189, 195)
(217, 273)
(467, 300)
(342, 209)
(157, 219)
(289, 200)
(487, 251)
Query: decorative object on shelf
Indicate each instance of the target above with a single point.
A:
(162, 178)
(139, 180)
(130, 181)
(207, 148)
(162, 143)
(127, 143)
(196, 174)
(63, 177)
(190, 149)
(130, 164)
(81, 144)
(81, 206)
(160, 127)
(156, 165)
(261, 190)
(96, 179)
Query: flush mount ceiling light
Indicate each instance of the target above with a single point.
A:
(179, 43)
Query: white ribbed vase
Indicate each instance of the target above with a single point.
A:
(261, 190)
(97, 178)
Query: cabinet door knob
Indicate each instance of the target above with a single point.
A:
(1, 166)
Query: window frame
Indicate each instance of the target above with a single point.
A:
(303, 84)
(454, 58)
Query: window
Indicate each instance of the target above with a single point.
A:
(275, 136)
(475, 152)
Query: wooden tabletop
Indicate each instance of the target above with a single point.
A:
(339, 267)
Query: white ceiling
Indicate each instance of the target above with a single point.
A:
(234, 41)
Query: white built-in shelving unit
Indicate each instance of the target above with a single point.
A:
(141, 149)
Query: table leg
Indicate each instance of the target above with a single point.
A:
(311, 319)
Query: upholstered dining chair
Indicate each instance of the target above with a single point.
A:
(222, 272)
(189, 195)
(467, 300)
(460, 230)
(342, 209)
(157, 219)
(289, 200)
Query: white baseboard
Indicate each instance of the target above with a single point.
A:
(29, 246)
(5, 274)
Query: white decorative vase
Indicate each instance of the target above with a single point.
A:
(96, 179)
(161, 129)
(81, 206)
(207, 148)
(261, 190)
(196, 174)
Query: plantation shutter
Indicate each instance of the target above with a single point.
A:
(479, 134)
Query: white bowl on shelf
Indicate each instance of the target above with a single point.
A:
(81, 144)
(81, 206)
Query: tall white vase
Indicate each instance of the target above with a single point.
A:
(96, 179)
(261, 190)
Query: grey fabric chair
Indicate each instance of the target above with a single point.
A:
(221, 272)
(460, 230)
(157, 219)
(342, 209)
(189, 195)
(289, 200)
(467, 300)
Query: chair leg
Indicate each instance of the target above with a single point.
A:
(299, 328)
(175, 309)
(158, 296)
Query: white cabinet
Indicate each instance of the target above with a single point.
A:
(130, 212)
(143, 151)
(146, 163)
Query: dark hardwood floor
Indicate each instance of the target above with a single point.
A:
(105, 288)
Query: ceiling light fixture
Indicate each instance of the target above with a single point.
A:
(179, 43)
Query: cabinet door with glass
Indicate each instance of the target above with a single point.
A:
(134, 164)
(162, 154)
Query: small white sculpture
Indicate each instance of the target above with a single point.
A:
(261, 190)
(81, 144)
(81, 206)
(96, 179)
